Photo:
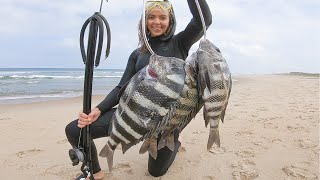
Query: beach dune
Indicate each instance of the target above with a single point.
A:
(271, 131)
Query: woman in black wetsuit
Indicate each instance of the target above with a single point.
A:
(161, 23)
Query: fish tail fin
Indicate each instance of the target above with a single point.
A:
(149, 145)
(214, 138)
(107, 152)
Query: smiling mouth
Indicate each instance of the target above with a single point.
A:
(157, 29)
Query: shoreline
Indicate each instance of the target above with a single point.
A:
(236, 79)
(78, 100)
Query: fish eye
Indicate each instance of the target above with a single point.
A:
(174, 69)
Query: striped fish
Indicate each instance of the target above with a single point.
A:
(188, 105)
(144, 105)
(214, 86)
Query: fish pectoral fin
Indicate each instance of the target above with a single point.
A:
(201, 84)
(107, 152)
(170, 113)
(207, 80)
(149, 145)
(214, 138)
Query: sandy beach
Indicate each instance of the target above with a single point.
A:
(271, 131)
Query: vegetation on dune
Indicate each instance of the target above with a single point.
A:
(305, 74)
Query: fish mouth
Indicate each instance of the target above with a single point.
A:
(151, 73)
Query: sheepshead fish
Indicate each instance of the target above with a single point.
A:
(144, 104)
(188, 105)
(215, 83)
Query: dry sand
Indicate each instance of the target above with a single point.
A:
(271, 131)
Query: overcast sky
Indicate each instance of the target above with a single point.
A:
(255, 36)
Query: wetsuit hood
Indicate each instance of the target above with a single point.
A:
(168, 34)
(172, 27)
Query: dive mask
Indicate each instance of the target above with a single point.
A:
(164, 5)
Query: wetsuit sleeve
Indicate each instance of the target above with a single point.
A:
(194, 30)
(112, 98)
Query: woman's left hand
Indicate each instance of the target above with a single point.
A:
(85, 119)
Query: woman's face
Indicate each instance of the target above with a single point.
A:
(158, 21)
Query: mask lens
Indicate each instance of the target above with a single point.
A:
(164, 5)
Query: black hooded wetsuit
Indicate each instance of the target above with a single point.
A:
(172, 46)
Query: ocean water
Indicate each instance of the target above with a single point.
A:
(23, 85)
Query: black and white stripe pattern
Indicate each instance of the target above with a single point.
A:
(215, 87)
(188, 103)
(143, 114)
